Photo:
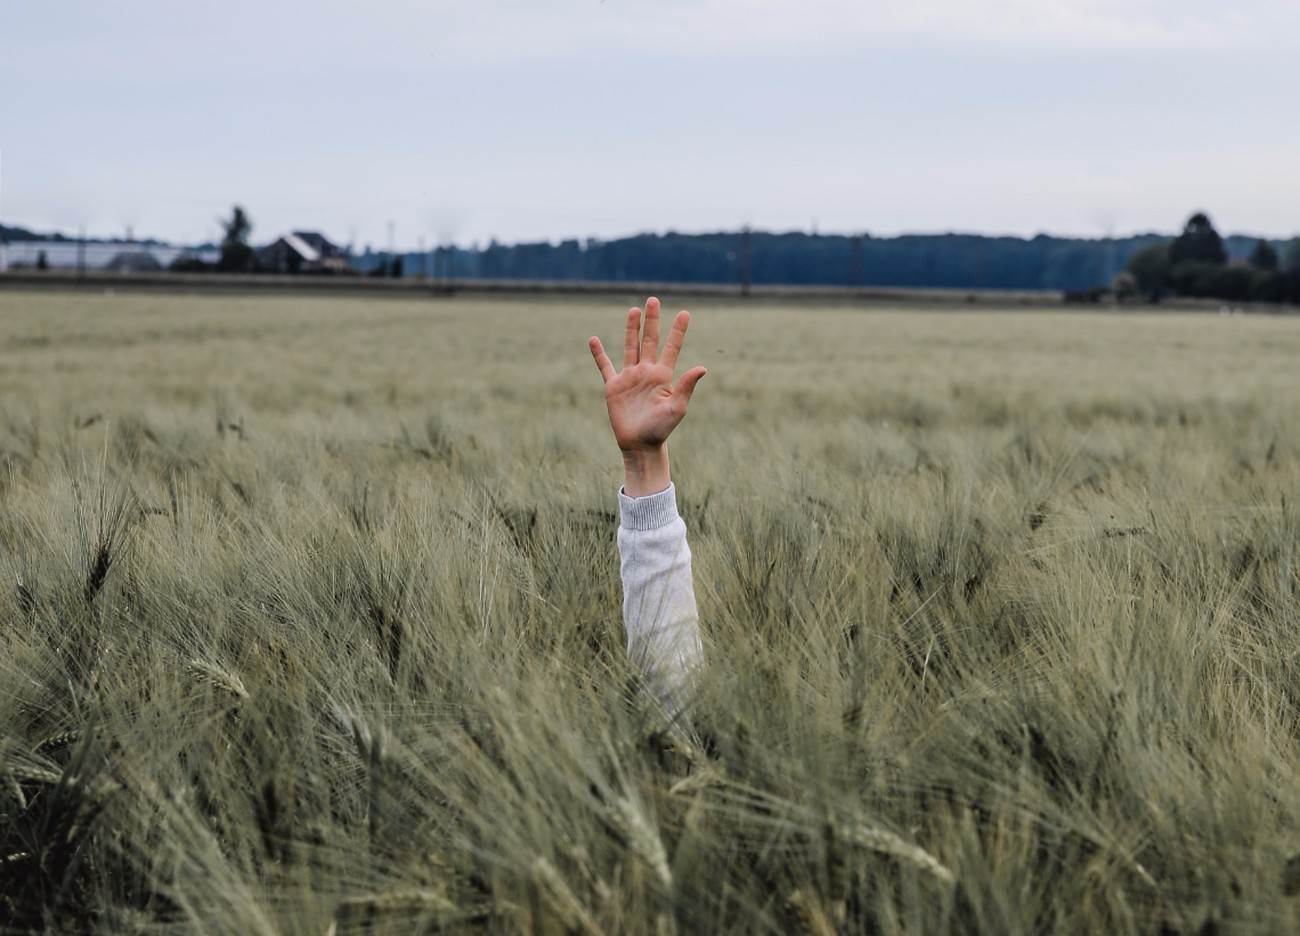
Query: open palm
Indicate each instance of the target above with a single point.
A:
(644, 404)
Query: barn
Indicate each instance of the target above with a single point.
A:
(302, 252)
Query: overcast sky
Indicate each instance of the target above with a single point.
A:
(549, 119)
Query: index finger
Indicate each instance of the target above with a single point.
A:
(632, 339)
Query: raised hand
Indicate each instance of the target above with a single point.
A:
(644, 404)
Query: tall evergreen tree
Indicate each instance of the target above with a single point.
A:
(1263, 256)
(236, 253)
(1199, 243)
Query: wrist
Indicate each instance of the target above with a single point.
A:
(645, 471)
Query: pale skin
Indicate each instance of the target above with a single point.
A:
(644, 404)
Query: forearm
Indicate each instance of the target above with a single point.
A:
(659, 611)
(645, 471)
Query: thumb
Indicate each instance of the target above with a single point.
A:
(686, 383)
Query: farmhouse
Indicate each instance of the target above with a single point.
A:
(302, 252)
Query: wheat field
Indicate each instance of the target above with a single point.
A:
(309, 622)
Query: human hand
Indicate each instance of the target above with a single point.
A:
(644, 404)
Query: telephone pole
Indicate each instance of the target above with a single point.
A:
(855, 260)
(744, 261)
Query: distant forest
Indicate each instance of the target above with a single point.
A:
(12, 233)
(958, 261)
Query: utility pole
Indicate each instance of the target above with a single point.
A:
(855, 260)
(1110, 258)
(744, 261)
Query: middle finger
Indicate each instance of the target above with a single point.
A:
(650, 341)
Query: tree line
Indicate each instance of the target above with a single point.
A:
(956, 261)
(1196, 263)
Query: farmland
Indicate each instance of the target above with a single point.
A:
(309, 621)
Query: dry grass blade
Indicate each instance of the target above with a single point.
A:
(885, 842)
(571, 911)
(216, 676)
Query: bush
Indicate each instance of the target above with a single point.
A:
(188, 263)
(1125, 287)
(1149, 266)
(1209, 280)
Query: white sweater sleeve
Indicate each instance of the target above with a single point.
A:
(663, 631)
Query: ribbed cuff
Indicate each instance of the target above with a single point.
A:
(650, 512)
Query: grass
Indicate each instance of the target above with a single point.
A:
(311, 623)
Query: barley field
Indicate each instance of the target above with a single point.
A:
(310, 622)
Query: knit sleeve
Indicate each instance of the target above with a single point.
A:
(663, 633)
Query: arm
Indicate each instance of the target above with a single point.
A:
(644, 407)
(663, 631)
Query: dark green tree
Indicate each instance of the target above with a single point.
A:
(1199, 243)
(1291, 254)
(42, 261)
(396, 270)
(236, 252)
(1269, 286)
(1149, 265)
(1263, 256)
(1289, 277)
